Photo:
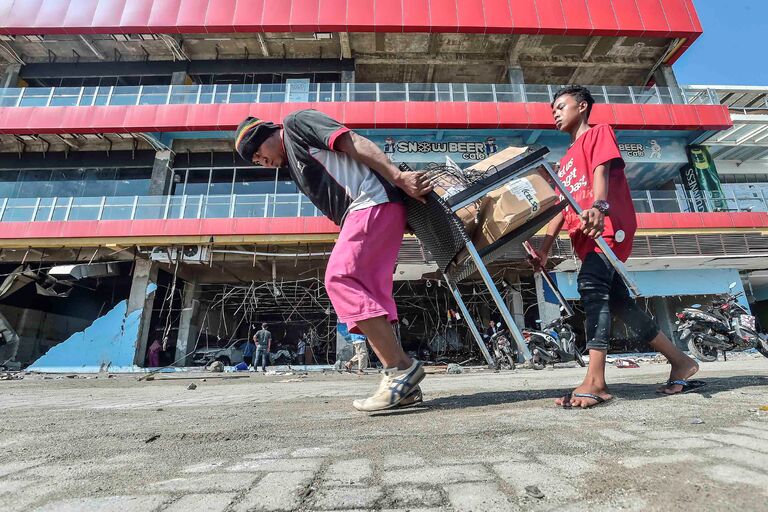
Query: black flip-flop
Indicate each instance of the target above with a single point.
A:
(688, 386)
(598, 400)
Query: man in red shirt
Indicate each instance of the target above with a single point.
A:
(593, 171)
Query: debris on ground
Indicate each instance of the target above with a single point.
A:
(454, 369)
(11, 376)
(216, 367)
(534, 492)
(697, 421)
(626, 363)
(192, 386)
(152, 439)
(764, 408)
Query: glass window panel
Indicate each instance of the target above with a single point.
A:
(65, 96)
(272, 93)
(509, 93)
(100, 182)
(538, 93)
(479, 92)
(174, 207)
(184, 94)
(150, 207)
(35, 96)
(421, 92)
(197, 182)
(9, 183)
(307, 208)
(84, 213)
(36, 183)
(86, 99)
(124, 96)
(117, 208)
(221, 182)
(244, 94)
(206, 94)
(192, 207)
(217, 207)
(250, 206)
(618, 94)
(325, 93)
(363, 92)
(392, 92)
(132, 182)
(43, 213)
(68, 183)
(254, 181)
(60, 209)
(221, 93)
(645, 95)
(102, 96)
(9, 97)
(284, 206)
(666, 95)
(286, 187)
(154, 95)
(19, 210)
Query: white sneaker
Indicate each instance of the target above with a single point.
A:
(395, 387)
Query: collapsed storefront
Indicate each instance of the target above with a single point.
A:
(102, 308)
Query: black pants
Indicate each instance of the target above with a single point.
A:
(605, 296)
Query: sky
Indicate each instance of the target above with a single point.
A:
(732, 50)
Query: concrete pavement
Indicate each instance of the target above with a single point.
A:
(294, 443)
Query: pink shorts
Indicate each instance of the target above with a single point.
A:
(359, 274)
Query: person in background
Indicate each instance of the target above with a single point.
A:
(263, 340)
(154, 353)
(361, 354)
(301, 350)
(248, 351)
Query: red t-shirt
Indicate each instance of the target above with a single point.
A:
(594, 147)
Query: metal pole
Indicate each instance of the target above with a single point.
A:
(616, 262)
(471, 324)
(499, 300)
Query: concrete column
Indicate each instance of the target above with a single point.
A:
(665, 77)
(142, 298)
(179, 78)
(515, 305)
(348, 77)
(547, 310)
(188, 328)
(10, 78)
(515, 73)
(162, 174)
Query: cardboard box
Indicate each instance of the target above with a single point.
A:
(510, 206)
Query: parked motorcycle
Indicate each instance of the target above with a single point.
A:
(504, 350)
(725, 325)
(554, 343)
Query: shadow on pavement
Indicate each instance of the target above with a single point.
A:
(623, 391)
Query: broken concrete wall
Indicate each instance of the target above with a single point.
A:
(109, 342)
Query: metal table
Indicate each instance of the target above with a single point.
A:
(442, 232)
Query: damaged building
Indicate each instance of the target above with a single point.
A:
(126, 217)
